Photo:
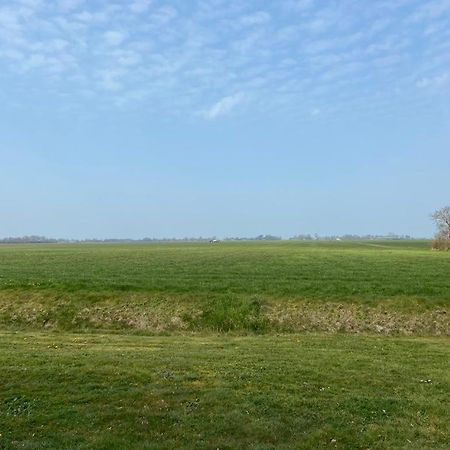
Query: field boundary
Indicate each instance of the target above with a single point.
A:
(163, 313)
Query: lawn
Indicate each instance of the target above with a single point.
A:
(72, 391)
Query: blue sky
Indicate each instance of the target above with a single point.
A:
(212, 117)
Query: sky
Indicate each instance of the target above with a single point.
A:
(153, 118)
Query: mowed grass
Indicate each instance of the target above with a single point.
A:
(360, 271)
(61, 391)
(389, 287)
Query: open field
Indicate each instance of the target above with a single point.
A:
(197, 346)
(383, 287)
(61, 391)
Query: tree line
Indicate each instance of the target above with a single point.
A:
(441, 218)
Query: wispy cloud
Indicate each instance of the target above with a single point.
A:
(114, 37)
(140, 6)
(224, 106)
(302, 55)
(109, 79)
(66, 6)
(436, 81)
(257, 18)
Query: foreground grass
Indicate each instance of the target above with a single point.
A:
(297, 391)
(385, 287)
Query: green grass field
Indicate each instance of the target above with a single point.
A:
(283, 286)
(361, 271)
(69, 391)
(273, 345)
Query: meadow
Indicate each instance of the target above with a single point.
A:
(275, 286)
(234, 345)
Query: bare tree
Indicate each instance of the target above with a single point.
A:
(441, 218)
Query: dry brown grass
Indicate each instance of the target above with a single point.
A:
(354, 318)
(156, 314)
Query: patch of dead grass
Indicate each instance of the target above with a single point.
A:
(164, 313)
(353, 318)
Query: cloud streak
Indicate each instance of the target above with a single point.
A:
(224, 106)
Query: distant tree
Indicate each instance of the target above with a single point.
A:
(441, 218)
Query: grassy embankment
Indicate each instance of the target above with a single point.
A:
(382, 287)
